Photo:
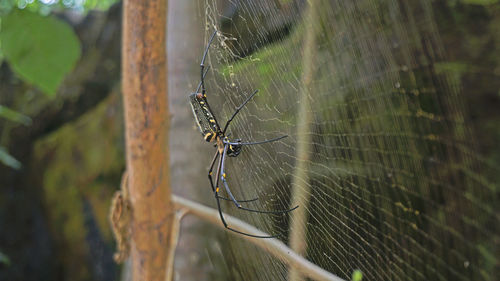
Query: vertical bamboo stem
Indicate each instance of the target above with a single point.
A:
(145, 101)
(301, 192)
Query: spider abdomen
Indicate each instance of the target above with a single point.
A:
(204, 118)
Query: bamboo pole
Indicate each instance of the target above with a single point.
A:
(145, 101)
(301, 192)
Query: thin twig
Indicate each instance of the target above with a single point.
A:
(174, 241)
(273, 246)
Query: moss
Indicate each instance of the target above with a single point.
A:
(82, 162)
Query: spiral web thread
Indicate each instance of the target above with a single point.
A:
(394, 181)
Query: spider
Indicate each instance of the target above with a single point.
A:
(212, 132)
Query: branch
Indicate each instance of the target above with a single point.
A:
(273, 246)
(145, 100)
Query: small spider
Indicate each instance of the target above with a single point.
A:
(211, 131)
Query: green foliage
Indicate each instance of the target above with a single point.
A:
(489, 257)
(480, 2)
(357, 275)
(6, 7)
(41, 50)
(4, 259)
(75, 5)
(14, 116)
(8, 160)
(98, 4)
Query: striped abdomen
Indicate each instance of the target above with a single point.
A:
(203, 116)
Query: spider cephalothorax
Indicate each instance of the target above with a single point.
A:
(234, 149)
(212, 132)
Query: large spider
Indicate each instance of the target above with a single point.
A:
(211, 131)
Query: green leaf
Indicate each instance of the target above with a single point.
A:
(41, 50)
(15, 116)
(8, 160)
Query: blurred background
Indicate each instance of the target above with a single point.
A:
(392, 111)
(62, 150)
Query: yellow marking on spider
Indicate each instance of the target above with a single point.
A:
(224, 175)
(212, 121)
(217, 189)
(202, 102)
(207, 136)
(210, 173)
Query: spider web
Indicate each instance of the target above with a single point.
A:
(389, 155)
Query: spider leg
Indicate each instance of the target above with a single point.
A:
(202, 64)
(210, 170)
(202, 80)
(257, 142)
(212, 182)
(238, 110)
(242, 201)
(234, 230)
(222, 175)
(203, 77)
(217, 197)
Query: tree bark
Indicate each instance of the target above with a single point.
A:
(147, 122)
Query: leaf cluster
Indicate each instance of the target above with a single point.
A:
(39, 48)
